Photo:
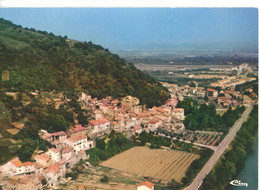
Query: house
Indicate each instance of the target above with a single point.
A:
(254, 95)
(138, 108)
(99, 126)
(42, 159)
(77, 130)
(53, 174)
(15, 167)
(81, 187)
(145, 185)
(29, 168)
(66, 153)
(154, 124)
(178, 113)
(212, 92)
(136, 129)
(201, 93)
(29, 182)
(222, 100)
(98, 114)
(19, 168)
(56, 138)
(160, 110)
(54, 154)
(79, 143)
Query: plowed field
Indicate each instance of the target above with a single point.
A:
(155, 163)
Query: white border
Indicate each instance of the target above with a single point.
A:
(129, 3)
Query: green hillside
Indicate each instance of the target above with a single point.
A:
(38, 60)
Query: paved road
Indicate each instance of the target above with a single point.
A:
(220, 150)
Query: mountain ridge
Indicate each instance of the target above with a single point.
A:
(38, 60)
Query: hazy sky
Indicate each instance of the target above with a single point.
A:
(138, 26)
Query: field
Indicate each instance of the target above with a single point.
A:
(154, 163)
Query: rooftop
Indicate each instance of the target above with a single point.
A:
(98, 122)
(17, 163)
(55, 168)
(77, 138)
(147, 184)
(43, 157)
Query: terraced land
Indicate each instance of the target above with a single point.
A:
(155, 163)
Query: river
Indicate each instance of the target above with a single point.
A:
(249, 173)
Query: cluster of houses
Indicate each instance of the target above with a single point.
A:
(222, 99)
(48, 168)
(128, 116)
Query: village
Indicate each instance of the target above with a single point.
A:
(126, 116)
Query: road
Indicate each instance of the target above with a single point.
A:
(219, 151)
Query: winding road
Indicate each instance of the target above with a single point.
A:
(219, 151)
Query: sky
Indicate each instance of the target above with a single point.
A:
(142, 26)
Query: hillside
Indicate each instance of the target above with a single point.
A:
(38, 60)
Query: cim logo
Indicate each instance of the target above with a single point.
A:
(238, 183)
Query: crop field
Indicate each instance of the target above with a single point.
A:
(155, 163)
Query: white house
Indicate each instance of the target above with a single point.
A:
(100, 125)
(79, 143)
(16, 167)
(66, 153)
(54, 154)
(53, 174)
(145, 185)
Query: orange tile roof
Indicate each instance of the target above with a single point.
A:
(17, 163)
(81, 187)
(159, 109)
(211, 90)
(98, 122)
(147, 184)
(27, 163)
(78, 128)
(153, 121)
(58, 133)
(55, 168)
(77, 138)
(46, 135)
(43, 157)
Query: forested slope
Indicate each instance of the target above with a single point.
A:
(38, 60)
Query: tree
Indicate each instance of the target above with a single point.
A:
(54, 123)
(104, 179)
(26, 150)
(82, 119)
